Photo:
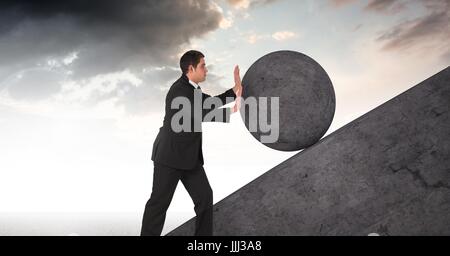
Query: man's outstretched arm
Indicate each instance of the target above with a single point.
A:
(214, 112)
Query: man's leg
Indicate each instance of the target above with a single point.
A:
(197, 185)
(165, 180)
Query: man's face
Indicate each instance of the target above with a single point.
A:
(199, 73)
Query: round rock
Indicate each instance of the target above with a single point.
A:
(306, 100)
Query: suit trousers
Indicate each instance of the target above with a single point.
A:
(165, 180)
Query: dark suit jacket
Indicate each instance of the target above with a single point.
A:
(183, 150)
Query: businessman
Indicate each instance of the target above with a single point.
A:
(177, 153)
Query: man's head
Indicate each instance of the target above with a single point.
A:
(192, 64)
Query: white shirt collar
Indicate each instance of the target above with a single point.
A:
(193, 84)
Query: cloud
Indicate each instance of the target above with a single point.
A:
(431, 31)
(339, 3)
(44, 82)
(428, 33)
(382, 6)
(385, 6)
(226, 21)
(239, 4)
(106, 36)
(134, 94)
(246, 4)
(113, 34)
(283, 35)
(150, 95)
(252, 38)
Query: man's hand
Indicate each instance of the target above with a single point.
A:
(237, 89)
(237, 80)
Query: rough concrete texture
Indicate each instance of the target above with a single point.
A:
(386, 172)
(306, 99)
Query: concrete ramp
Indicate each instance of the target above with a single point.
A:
(387, 172)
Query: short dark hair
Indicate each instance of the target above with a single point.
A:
(191, 57)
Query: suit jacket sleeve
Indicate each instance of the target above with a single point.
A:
(218, 114)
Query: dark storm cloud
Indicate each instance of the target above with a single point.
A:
(109, 35)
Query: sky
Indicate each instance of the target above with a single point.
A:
(83, 83)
